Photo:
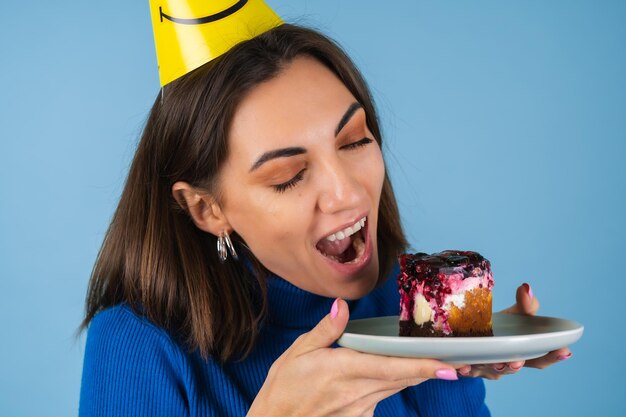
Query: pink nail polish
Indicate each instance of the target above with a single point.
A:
(334, 310)
(564, 357)
(529, 291)
(447, 374)
(499, 367)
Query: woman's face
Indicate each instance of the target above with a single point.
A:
(303, 175)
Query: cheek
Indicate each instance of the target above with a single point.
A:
(375, 173)
(268, 222)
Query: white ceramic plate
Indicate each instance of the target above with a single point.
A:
(516, 337)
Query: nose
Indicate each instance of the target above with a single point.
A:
(340, 189)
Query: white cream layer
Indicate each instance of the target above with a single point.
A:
(424, 311)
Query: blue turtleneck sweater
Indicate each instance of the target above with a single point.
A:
(134, 368)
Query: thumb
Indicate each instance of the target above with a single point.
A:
(526, 302)
(328, 330)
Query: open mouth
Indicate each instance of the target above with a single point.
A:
(345, 246)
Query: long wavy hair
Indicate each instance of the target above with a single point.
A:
(153, 256)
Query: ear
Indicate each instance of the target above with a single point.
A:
(202, 208)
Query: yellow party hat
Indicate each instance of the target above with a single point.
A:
(190, 33)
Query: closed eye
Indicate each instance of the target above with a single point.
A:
(357, 144)
(281, 188)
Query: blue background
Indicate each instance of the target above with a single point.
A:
(505, 126)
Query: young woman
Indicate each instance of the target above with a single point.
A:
(257, 218)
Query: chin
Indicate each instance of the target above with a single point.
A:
(361, 285)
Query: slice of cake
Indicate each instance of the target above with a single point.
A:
(445, 294)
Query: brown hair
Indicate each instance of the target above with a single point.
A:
(153, 257)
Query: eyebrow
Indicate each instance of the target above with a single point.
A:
(296, 150)
(347, 116)
(277, 153)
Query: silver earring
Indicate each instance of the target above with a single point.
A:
(224, 243)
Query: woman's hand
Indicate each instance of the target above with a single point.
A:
(529, 305)
(313, 379)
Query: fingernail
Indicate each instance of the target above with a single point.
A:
(465, 371)
(447, 374)
(516, 368)
(334, 310)
(499, 367)
(529, 291)
(564, 357)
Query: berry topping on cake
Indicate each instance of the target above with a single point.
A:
(445, 294)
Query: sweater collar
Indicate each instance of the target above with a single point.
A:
(293, 307)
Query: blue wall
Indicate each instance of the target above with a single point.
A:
(505, 129)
